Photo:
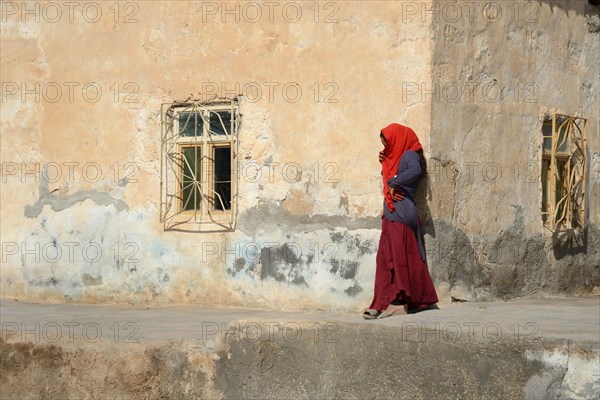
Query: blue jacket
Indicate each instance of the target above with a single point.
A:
(407, 179)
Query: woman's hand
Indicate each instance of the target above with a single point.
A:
(381, 156)
(396, 194)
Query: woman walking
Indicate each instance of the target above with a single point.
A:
(402, 280)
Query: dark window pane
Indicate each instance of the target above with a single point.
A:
(191, 177)
(220, 126)
(190, 124)
(545, 167)
(547, 133)
(547, 128)
(222, 178)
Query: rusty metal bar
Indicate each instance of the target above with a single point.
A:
(568, 211)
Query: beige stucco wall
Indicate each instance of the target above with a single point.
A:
(358, 55)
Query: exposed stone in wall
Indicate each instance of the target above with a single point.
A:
(512, 264)
(593, 18)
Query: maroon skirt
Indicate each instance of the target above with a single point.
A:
(401, 273)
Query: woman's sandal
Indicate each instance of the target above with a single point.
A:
(370, 313)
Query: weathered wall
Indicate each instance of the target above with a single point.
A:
(81, 93)
(497, 73)
(91, 231)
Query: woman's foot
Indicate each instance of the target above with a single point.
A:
(393, 310)
(369, 313)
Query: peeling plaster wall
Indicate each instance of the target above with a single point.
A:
(71, 234)
(305, 239)
(485, 227)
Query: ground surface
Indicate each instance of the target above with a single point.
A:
(528, 348)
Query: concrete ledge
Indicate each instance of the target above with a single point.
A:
(532, 349)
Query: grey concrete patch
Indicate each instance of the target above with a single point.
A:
(270, 215)
(59, 203)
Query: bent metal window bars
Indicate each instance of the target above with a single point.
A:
(199, 165)
(564, 172)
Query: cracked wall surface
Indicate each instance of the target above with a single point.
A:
(81, 175)
(84, 225)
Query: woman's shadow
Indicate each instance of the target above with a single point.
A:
(422, 199)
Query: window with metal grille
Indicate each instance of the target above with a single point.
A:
(198, 168)
(564, 172)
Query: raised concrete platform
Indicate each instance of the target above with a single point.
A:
(530, 348)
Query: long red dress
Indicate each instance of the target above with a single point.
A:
(401, 273)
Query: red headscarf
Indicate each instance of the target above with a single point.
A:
(399, 138)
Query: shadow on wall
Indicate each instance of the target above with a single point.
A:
(569, 242)
(422, 200)
(589, 8)
(511, 264)
(582, 7)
